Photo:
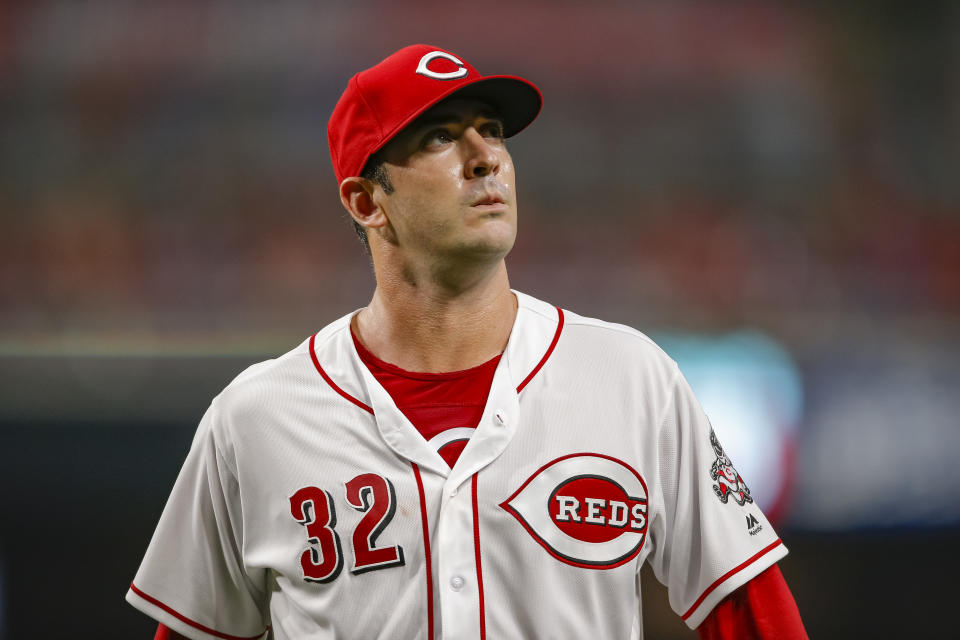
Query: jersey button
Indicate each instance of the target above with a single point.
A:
(456, 583)
(500, 417)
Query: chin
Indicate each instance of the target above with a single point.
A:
(498, 238)
(492, 247)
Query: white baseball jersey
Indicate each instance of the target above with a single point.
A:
(310, 507)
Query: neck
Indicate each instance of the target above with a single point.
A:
(432, 327)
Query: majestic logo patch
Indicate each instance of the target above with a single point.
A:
(729, 482)
(586, 509)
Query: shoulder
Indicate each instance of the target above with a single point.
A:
(288, 383)
(263, 376)
(612, 334)
(608, 345)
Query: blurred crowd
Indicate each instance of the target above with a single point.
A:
(694, 163)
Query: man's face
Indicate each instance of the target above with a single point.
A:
(454, 197)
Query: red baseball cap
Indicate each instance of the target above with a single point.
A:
(380, 101)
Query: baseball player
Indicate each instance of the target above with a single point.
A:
(457, 460)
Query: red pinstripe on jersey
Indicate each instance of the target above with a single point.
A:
(546, 356)
(773, 545)
(333, 385)
(476, 546)
(183, 618)
(426, 549)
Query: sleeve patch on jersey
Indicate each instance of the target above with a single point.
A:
(586, 509)
(728, 481)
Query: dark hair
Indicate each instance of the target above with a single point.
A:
(375, 171)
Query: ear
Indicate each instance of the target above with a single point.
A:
(357, 196)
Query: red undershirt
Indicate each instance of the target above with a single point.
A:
(435, 403)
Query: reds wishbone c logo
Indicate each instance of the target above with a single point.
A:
(586, 509)
(425, 61)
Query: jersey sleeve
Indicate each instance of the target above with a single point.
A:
(709, 536)
(192, 578)
(762, 609)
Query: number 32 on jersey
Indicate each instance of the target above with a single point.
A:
(370, 494)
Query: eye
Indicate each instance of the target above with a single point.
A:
(492, 129)
(437, 137)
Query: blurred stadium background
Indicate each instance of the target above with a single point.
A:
(770, 191)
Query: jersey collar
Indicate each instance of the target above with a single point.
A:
(535, 333)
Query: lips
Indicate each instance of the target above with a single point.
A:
(488, 199)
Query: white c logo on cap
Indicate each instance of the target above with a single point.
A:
(449, 75)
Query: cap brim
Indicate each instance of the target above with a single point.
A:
(515, 100)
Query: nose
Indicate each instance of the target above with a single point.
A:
(481, 158)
